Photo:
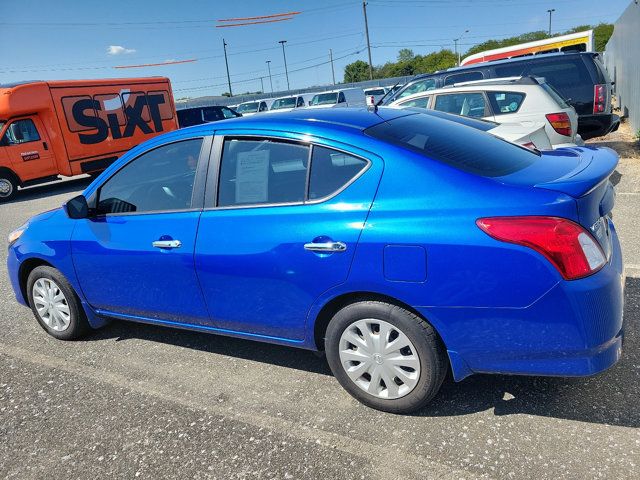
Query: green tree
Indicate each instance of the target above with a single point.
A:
(406, 55)
(357, 71)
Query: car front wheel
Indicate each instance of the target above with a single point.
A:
(55, 304)
(385, 356)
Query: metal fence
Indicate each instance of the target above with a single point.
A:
(622, 60)
(236, 99)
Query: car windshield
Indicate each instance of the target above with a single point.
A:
(467, 149)
(250, 107)
(325, 99)
(289, 102)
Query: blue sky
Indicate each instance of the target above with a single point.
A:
(66, 39)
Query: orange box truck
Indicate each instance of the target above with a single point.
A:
(66, 128)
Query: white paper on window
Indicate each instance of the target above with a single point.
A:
(252, 177)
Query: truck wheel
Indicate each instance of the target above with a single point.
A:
(8, 186)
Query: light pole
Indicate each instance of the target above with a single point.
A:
(366, 30)
(261, 85)
(333, 72)
(286, 72)
(455, 42)
(551, 10)
(269, 68)
(224, 45)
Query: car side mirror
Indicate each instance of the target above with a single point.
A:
(77, 207)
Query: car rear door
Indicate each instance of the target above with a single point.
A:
(282, 220)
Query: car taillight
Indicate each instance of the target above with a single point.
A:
(560, 123)
(568, 246)
(599, 98)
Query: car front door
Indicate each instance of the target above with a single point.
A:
(134, 256)
(282, 222)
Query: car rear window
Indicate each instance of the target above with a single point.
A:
(505, 102)
(463, 77)
(465, 148)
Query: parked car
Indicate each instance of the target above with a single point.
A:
(286, 104)
(580, 78)
(254, 106)
(346, 97)
(374, 95)
(404, 244)
(50, 129)
(188, 117)
(512, 100)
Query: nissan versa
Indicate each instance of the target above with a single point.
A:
(403, 244)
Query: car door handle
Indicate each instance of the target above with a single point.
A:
(325, 247)
(167, 244)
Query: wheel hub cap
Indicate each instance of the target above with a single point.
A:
(379, 358)
(51, 304)
(5, 187)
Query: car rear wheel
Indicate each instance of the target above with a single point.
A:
(385, 356)
(8, 187)
(55, 304)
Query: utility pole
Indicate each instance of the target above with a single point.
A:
(550, 12)
(333, 72)
(366, 29)
(455, 43)
(226, 62)
(269, 68)
(286, 72)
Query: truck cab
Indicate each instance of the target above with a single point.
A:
(67, 128)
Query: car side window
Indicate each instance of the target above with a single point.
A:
(300, 102)
(422, 102)
(159, 180)
(417, 87)
(505, 102)
(463, 77)
(341, 98)
(228, 113)
(21, 131)
(263, 107)
(261, 171)
(331, 170)
(466, 104)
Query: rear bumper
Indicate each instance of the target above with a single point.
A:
(597, 125)
(574, 329)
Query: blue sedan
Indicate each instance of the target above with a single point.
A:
(403, 244)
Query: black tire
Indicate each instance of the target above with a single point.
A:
(78, 324)
(428, 348)
(8, 186)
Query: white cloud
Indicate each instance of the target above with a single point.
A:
(119, 50)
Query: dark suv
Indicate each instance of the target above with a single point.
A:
(579, 77)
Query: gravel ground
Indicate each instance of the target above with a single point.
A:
(148, 402)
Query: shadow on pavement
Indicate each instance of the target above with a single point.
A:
(50, 189)
(610, 398)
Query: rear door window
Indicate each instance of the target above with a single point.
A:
(467, 104)
(259, 171)
(463, 77)
(505, 102)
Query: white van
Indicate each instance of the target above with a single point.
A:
(346, 97)
(286, 104)
(254, 106)
(375, 94)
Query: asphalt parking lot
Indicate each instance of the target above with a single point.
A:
(142, 401)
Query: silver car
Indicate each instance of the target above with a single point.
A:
(525, 100)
